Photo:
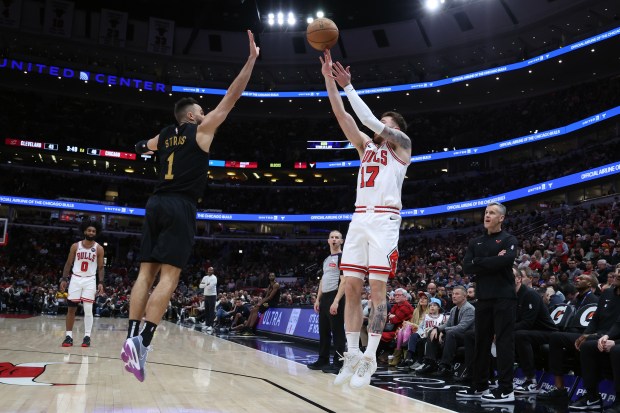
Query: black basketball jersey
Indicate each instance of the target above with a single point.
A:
(183, 165)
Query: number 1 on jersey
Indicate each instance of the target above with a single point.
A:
(371, 172)
(169, 174)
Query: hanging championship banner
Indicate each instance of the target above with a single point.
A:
(58, 18)
(10, 13)
(113, 28)
(161, 36)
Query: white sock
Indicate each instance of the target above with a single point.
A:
(373, 342)
(88, 318)
(69, 333)
(353, 342)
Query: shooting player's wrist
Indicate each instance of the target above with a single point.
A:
(142, 147)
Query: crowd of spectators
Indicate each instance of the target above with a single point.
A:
(34, 258)
(417, 191)
(285, 140)
(559, 251)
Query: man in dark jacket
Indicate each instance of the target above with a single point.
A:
(490, 257)
(600, 350)
(563, 345)
(532, 329)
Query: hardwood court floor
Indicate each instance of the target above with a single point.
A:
(188, 371)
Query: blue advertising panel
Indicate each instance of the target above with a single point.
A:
(422, 85)
(297, 322)
(605, 388)
(553, 184)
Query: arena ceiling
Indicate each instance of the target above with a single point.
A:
(236, 15)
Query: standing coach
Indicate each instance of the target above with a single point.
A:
(490, 257)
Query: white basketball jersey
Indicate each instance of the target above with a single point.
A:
(380, 177)
(85, 263)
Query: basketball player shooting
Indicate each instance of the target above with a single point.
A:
(372, 239)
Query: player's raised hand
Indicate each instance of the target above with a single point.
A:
(254, 50)
(341, 74)
(326, 64)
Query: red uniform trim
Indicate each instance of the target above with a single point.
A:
(354, 268)
(395, 156)
(379, 209)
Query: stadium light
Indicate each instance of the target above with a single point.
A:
(432, 5)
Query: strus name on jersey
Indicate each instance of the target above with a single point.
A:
(175, 141)
(375, 157)
(86, 256)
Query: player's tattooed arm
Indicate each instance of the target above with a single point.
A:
(376, 320)
(396, 137)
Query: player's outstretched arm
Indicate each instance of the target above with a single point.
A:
(215, 118)
(147, 146)
(343, 77)
(345, 120)
(396, 137)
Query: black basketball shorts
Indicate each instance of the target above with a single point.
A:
(169, 230)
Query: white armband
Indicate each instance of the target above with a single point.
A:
(362, 111)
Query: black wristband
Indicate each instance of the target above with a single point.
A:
(141, 147)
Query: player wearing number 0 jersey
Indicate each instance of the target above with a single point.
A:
(372, 239)
(84, 263)
(170, 221)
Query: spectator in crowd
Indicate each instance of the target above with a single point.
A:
(240, 313)
(471, 295)
(409, 334)
(51, 303)
(449, 335)
(565, 345)
(533, 327)
(599, 352)
(433, 319)
(223, 312)
(400, 312)
(586, 285)
(573, 270)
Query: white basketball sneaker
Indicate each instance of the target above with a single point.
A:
(349, 365)
(365, 369)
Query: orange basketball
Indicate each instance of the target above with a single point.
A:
(322, 34)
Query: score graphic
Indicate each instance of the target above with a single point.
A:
(241, 165)
(111, 154)
(74, 149)
(330, 145)
(31, 144)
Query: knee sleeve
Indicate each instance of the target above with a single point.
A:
(88, 318)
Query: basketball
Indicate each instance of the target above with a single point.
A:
(322, 34)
